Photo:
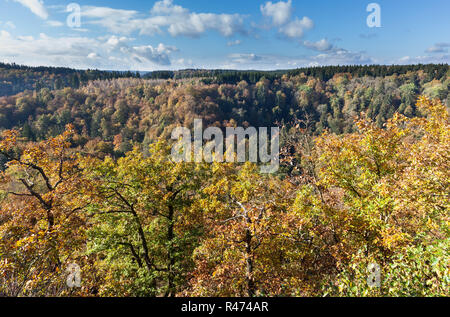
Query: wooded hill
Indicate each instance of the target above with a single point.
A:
(17, 78)
(119, 112)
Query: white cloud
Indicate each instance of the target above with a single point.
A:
(36, 6)
(164, 16)
(279, 12)
(443, 58)
(195, 24)
(404, 59)
(158, 55)
(117, 52)
(244, 58)
(296, 28)
(4, 34)
(183, 63)
(43, 47)
(323, 45)
(54, 23)
(114, 42)
(115, 20)
(166, 7)
(438, 48)
(343, 57)
(270, 62)
(83, 52)
(93, 56)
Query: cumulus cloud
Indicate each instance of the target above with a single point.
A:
(115, 20)
(164, 16)
(158, 55)
(323, 45)
(438, 48)
(296, 28)
(166, 7)
(36, 6)
(83, 52)
(43, 47)
(196, 24)
(279, 12)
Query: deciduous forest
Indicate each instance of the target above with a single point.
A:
(86, 178)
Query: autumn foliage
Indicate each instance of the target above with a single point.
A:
(143, 225)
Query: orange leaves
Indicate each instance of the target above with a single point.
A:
(244, 215)
(8, 140)
(42, 209)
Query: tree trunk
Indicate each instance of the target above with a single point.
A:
(251, 289)
(170, 254)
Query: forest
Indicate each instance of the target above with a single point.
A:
(17, 78)
(87, 180)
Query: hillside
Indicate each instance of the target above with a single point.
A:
(17, 78)
(119, 112)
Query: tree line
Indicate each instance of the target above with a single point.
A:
(18, 78)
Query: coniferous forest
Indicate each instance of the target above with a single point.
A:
(87, 180)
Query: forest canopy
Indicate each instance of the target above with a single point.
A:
(87, 181)
(117, 113)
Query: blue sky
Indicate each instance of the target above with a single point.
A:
(232, 34)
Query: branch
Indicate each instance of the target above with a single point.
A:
(46, 205)
(17, 194)
(41, 172)
(233, 218)
(116, 212)
(133, 251)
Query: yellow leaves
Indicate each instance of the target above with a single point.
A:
(9, 140)
(25, 242)
(394, 181)
(393, 238)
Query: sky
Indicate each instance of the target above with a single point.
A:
(228, 34)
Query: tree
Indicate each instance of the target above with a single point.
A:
(144, 228)
(390, 186)
(245, 247)
(42, 226)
